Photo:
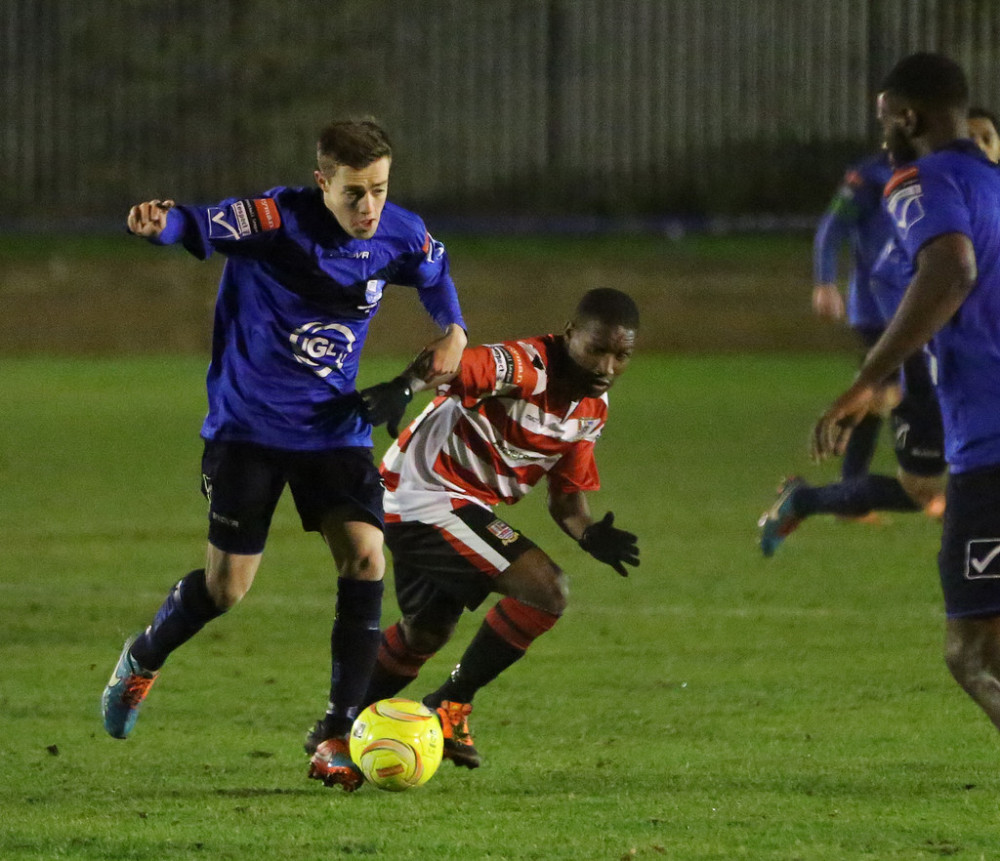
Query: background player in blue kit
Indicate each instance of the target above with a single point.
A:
(918, 438)
(855, 216)
(303, 278)
(945, 206)
(984, 129)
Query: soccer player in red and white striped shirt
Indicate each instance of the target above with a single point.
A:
(515, 413)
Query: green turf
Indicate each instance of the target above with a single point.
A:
(715, 705)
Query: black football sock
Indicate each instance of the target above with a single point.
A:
(396, 666)
(860, 447)
(853, 498)
(487, 656)
(354, 644)
(507, 631)
(183, 614)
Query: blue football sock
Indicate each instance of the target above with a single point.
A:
(853, 498)
(183, 614)
(354, 644)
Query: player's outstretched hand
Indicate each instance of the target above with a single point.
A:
(831, 432)
(610, 545)
(150, 218)
(385, 403)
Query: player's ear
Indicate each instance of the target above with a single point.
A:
(914, 123)
(320, 179)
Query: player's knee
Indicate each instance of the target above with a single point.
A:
(924, 490)
(228, 578)
(966, 660)
(364, 563)
(425, 640)
(560, 593)
(550, 592)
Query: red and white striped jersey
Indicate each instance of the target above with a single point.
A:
(492, 434)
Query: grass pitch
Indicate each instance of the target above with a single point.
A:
(715, 705)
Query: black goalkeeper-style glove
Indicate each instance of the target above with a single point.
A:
(386, 403)
(609, 545)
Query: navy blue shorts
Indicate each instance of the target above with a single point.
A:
(243, 483)
(969, 561)
(444, 567)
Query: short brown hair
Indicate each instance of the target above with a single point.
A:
(354, 143)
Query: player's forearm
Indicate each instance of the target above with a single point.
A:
(571, 512)
(946, 273)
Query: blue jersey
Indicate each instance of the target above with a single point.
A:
(891, 274)
(856, 214)
(957, 190)
(295, 301)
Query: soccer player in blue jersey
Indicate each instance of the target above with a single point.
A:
(945, 206)
(855, 216)
(303, 278)
(917, 432)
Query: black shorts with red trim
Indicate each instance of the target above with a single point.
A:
(441, 568)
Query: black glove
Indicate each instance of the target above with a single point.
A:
(609, 545)
(386, 403)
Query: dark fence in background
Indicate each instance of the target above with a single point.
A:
(547, 107)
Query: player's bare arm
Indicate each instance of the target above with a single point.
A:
(601, 539)
(149, 219)
(946, 274)
(570, 511)
(446, 354)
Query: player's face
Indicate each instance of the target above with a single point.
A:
(356, 196)
(981, 130)
(897, 121)
(598, 355)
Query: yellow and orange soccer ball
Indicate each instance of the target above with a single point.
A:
(397, 744)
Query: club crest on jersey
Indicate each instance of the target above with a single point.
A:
(373, 291)
(503, 531)
(904, 199)
(982, 559)
(433, 250)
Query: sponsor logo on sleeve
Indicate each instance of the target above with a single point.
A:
(504, 362)
(904, 199)
(982, 559)
(243, 218)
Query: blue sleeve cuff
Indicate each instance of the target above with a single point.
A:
(173, 232)
(441, 303)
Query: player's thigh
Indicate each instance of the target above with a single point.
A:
(969, 560)
(338, 493)
(243, 483)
